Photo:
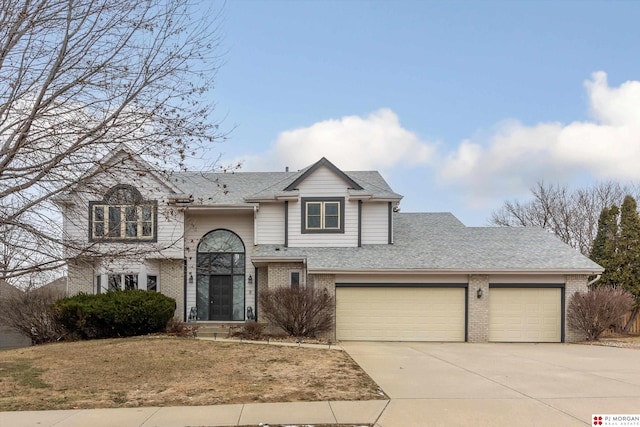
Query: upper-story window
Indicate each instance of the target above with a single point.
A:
(323, 215)
(123, 215)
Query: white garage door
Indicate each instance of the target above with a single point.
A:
(525, 315)
(400, 314)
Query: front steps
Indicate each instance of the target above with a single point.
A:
(217, 330)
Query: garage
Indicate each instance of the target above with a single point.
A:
(400, 313)
(525, 314)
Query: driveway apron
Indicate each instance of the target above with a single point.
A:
(459, 384)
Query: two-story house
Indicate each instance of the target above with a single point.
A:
(213, 241)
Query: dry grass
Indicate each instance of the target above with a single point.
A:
(164, 371)
(612, 339)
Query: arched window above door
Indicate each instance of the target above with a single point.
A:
(221, 241)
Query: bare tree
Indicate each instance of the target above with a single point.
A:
(571, 214)
(79, 77)
(30, 313)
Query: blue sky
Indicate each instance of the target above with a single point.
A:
(460, 104)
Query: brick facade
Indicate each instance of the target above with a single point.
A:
(80, 276)
(172, 283)
(478, 309)
(574, 283)
(328, 283)
(278, 273)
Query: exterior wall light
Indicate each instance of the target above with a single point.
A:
(250, 280)
(191, 278)
(479, 293)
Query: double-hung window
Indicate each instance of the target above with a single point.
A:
(123, 215)
(324, 215)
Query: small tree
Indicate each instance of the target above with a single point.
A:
(595, 311)
(31, 314)
(301, 312)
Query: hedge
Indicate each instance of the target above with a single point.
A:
(115, 313)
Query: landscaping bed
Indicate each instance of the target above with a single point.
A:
(617, 340)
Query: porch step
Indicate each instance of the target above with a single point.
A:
(217, 330)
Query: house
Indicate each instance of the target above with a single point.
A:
(213, 241)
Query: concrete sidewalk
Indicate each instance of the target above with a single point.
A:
(355, 412)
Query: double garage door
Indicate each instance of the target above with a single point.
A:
(439, 314)
(400, 313)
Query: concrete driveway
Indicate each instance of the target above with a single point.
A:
(461, 384)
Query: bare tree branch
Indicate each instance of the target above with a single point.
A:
(570, 214)
(77, 79)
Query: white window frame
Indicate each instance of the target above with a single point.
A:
(323, 215)
(140, 222)
(122, 280)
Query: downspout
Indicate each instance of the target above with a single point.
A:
(594, 280)
(255, 223)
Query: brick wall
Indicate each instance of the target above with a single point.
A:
(80, 277)
(172, 283)
(278, 273)
(478, 314)
(573, 283)
(328, 282)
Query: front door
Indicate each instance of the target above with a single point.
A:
(221, 298)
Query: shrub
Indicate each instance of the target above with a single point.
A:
(115, 313)
(31, 314)
(595, 311)
(178, 328)
(301, 312)
(251, 330)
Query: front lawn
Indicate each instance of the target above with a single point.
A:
(164, 371)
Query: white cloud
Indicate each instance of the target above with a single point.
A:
(377, 141)
(515, 156)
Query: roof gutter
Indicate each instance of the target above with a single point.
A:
(449, 271)
(245, 206)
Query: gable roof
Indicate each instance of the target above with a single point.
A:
(438, 242)
(234, 188)
(120, 152)
(314, 167)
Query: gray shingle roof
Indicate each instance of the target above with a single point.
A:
(439, 242)
(208, 188)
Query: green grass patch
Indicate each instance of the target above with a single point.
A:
(24, 374)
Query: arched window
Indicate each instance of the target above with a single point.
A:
(220, 272)
(123, 215)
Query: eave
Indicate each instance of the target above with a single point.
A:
(324, 270)
(222, 207)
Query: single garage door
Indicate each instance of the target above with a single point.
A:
(400, 314)
(525, 315)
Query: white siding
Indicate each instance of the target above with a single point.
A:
(323, 183)
(375, 223)
(270, 224)
(200, 223)
(169, 220)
